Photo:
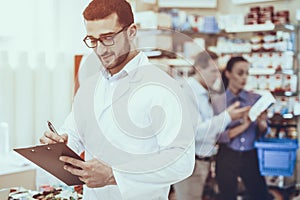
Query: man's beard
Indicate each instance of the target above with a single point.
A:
(119, 60)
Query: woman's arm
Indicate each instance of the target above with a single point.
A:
(233, 132)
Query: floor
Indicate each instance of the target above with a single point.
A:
(211, 190)
(277, 196)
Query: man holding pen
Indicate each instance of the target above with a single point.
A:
(131, 119)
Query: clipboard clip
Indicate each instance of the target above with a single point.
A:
(33, 150)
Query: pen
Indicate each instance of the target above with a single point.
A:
(51, 127)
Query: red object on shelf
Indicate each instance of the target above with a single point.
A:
(77, 60)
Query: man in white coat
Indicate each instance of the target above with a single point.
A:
(208, 126)
(131, 118)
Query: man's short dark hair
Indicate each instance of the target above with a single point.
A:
(202, 59)
(99, 9)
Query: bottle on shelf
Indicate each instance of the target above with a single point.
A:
(277, 83)
(281, 133)
(292, 132)
(262, 82)
(277, 61)
(284, 108)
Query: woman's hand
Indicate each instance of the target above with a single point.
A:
(262, 122)
(245, 123)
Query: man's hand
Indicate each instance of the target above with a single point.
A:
(237, 113)
(93, 173)
(50, 137)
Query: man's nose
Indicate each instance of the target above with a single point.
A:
(100, 49)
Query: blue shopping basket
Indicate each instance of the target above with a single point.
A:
(276, 157)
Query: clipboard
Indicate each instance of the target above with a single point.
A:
(47, 157)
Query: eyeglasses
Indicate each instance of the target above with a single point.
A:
(105, 40)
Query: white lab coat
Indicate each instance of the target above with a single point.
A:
(143, 168)
(208, 125)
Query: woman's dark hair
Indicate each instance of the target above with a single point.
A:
(229, 67)
(99, 9)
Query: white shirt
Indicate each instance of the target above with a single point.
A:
(207, 126)
(152, 185)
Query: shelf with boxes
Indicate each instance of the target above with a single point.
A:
(269, 48)
(266, 37)
(272, 51)
(272, 54)
(271, 69)
(269, 42)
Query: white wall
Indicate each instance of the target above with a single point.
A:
(40, 87)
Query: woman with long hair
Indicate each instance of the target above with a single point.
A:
(237, 156)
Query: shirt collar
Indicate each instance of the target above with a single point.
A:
(133, 64)
(200, 88)
(241, 96)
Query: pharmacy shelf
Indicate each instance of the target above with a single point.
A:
(187, 4)
(250, 28)
(261, 71)
(259, 28)
(247, 52)
(269, 71)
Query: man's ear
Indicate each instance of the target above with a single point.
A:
(227, 74)
(132, 30)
